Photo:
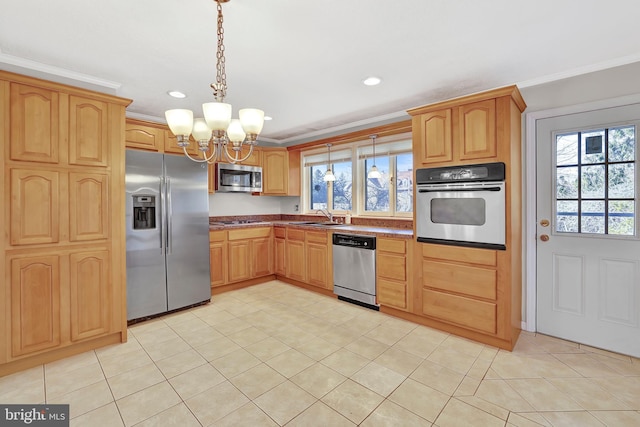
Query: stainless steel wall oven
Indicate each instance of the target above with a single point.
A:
(462, 205)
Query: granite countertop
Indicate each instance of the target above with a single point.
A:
(342, 228)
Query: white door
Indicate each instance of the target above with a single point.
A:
(588, 246)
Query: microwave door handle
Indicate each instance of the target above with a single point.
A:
(451, 190)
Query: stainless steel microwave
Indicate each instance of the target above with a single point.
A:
(235, 178)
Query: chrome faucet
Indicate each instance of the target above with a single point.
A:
(326, 213)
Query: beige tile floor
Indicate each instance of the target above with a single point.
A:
(275, 355)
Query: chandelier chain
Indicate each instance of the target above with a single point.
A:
(220, 86)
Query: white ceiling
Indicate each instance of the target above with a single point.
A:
(303, 61)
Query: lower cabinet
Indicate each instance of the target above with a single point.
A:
(392, 279)
(296, 267)
(279, 249)
(240, 254)
(45, 314)
(217, 257)
(318, 257)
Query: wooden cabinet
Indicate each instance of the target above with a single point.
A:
(217, 258)
(250, 253)
(459, 132)
(296, 260)
(318, 257)
(64, 276)
(467, 291)
(281, 172)
(392, 272)
(279, 249)
(143, 135)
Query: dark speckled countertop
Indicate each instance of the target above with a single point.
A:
(342, 228)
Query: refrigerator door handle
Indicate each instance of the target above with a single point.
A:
(162, 214)
(169, 217)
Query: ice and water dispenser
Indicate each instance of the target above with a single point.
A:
(144, 212)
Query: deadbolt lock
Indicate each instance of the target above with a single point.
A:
(544, 237)
(544, 222)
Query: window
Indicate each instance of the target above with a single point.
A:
(353, 191)
(319, 194)
(595, 181)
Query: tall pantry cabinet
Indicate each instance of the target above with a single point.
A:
(63, 276)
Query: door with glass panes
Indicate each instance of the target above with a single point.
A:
(588, 247)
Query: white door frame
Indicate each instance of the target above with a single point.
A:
(530, 191)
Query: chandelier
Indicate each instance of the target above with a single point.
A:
(219, 137)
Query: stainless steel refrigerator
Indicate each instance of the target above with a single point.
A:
(167, 217)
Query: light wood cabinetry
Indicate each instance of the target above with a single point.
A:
(218, 257)
(296, 261)
(461, 131)
(472, 292)
(240, 254)
(280, 172)
(279, 249)
(143, 135)
(393, 272)
(319, 259)
(63, 278)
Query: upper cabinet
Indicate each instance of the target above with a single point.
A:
(281, 172)
(465, 130)
(142, 135)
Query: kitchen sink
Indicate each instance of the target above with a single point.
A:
(315, 223)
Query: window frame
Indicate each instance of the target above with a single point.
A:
(360, 151)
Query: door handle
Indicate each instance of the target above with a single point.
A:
(544, 222)
(544, 237)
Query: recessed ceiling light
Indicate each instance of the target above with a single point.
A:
(176, 94)
(267, 118)
(372, 81)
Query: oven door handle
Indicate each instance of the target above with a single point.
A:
(455, 190)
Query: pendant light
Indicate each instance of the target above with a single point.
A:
(374, 173)
(328, 175)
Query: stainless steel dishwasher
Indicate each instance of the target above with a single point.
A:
(354, 268)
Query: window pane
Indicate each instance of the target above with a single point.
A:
(593, 147)
(342, 186)
(318, 190)
(621, 181)
(593, 182)
(377, 189)
(404, 182)
(622, 144)
(567, 149)
(621, 218)
(567, 183)
(592, 218)
(567, 217)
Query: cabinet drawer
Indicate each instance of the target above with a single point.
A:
(457, 253)
(216, 236)
(392, 293)
(391, 245)
(316, 237)
(295, 234)
(473, 314)
(391, 266)
(280, 232)
(469, 280)
(249, 233)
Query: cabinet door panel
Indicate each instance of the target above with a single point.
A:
(262, 257)
(171, 145)
(239, 260)
(276, 174)
(296, 265)
(216, 263)
(467, 312)
(35, 118)
(280, 257)
(317, 265)
(144, 137)
(392, 293)
(88, 206)
(35, 304)
(477, 126)
(35, 206)
(90, 291)
(88, 132)
(392, 266)
(436, 137)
